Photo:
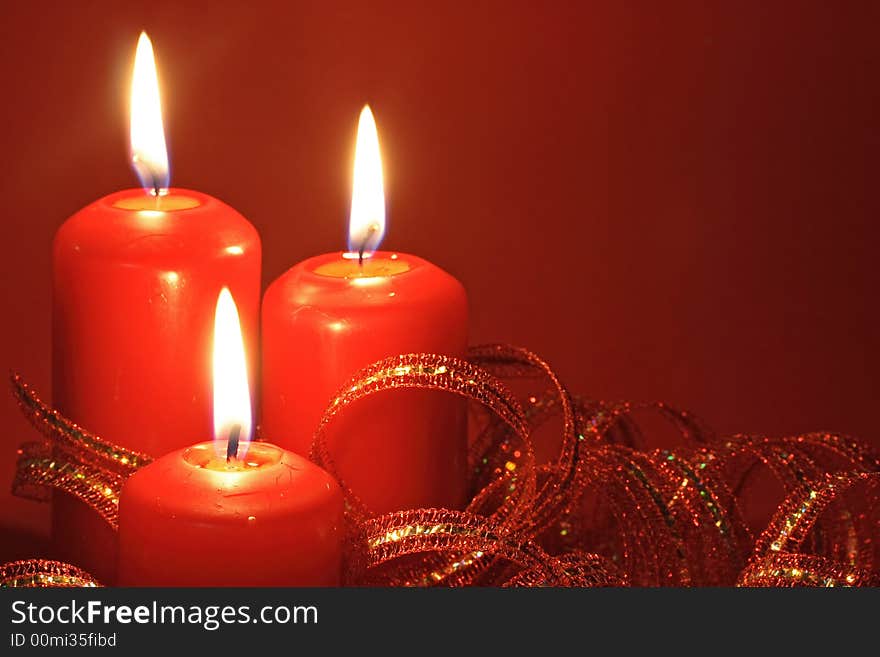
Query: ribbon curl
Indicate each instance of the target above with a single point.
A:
(71, 459)
(603, 511)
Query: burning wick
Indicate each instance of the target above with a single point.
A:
(157, 191)
(372, 230)
(232, 443)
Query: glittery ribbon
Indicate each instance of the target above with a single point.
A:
(397, 535)
(68, 436)
(431, 372)
(37, 471)
(71, 459)
(847, 556)
(44, 573)
(604, 511)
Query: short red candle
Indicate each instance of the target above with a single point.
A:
(191, 519)
(230, 512)
(136, 279)
(329, 316)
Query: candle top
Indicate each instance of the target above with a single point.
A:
(372, 267)
(191, 487)
(332, 281)
(259, 455)
(157, 203)
(169, 230)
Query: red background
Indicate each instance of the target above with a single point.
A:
(669, 203)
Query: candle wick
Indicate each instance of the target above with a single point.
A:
(371, 230)
(155, 182)
(232, 443)
(361, 250)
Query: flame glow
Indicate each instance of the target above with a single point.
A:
(148, 153)
(366, 224)
(232, 400)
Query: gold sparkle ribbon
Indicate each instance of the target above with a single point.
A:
(604, 511)
(38, 471)
(67, 435)
(71, 459)
(44, 573)
(777, 560)
(441, 373)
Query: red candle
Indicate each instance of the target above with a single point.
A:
(272, 518)
(331, 315)
(136, 277)
(230, 513)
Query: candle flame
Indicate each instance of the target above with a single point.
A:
(148, 153)
(366, 224)
(232, 400)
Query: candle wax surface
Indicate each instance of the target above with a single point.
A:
(160, 203)
(374, 267)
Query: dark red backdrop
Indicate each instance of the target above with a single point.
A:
(672, 203)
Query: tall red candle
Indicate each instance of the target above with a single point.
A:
(230, 513)
(135, 281)
(331, 315)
